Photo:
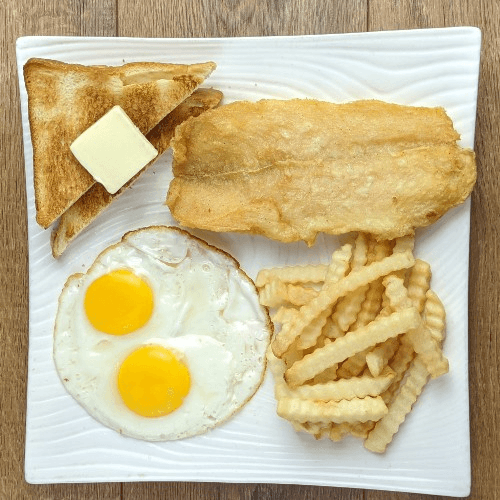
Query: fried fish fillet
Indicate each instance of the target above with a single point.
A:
(97, 199)
(291, 169)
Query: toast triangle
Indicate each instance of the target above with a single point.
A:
(65, 99)
(97, 199)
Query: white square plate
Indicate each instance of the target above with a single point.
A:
(430, 454)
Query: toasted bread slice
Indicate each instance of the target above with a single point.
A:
(65, 99)
(96, 199)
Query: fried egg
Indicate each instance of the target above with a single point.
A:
(163, 337)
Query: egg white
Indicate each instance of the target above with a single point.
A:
(205, 309)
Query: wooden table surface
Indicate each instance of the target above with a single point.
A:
(227, 18)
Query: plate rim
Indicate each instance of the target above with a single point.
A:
(22, 44)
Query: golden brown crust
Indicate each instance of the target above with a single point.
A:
(65, 99)
(96, 199)
(291, 169)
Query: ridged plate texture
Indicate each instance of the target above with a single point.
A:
(430, 454)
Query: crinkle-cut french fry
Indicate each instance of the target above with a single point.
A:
(300, 295)
(387, 426)
(318, 430)
(313, 330)
(386, 311)
(361, 430)
(273, 294)
(331, 329)
(385, 299)
(323, 431)
(338, 267)
(378, 358)
(281, 390)
(292, 355)
(330, 294)
(435, 316)
(313, 427)
(320, 342)
(338, 432)
(429, 350)
(418, 283)
(385, 321)
(328, 375)
(356, 387)
(375, 270)
(276, 293)
(301, 427)
(371, 305)
(360, 252)
(342, 348)
(277, 367)
(292, 274)
(371, 249)
(399, 364)
(348, 308)
(373, 294)
(420, 337)
(284, 314)
(404, 244)
(396, 292)
(379, 251)
(354, 410)
(290, 331)
(354, 365)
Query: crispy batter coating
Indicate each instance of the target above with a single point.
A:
(294, 168)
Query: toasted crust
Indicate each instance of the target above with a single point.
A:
(96, 199)
(291, 169)
(65, 99)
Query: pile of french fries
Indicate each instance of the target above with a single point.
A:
(359, 339)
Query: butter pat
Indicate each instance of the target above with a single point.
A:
(113, 149)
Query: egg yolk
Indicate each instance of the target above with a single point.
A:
(118, 302)
(152, 381)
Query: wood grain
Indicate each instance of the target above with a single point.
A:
(226, 18)
(213, 18)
